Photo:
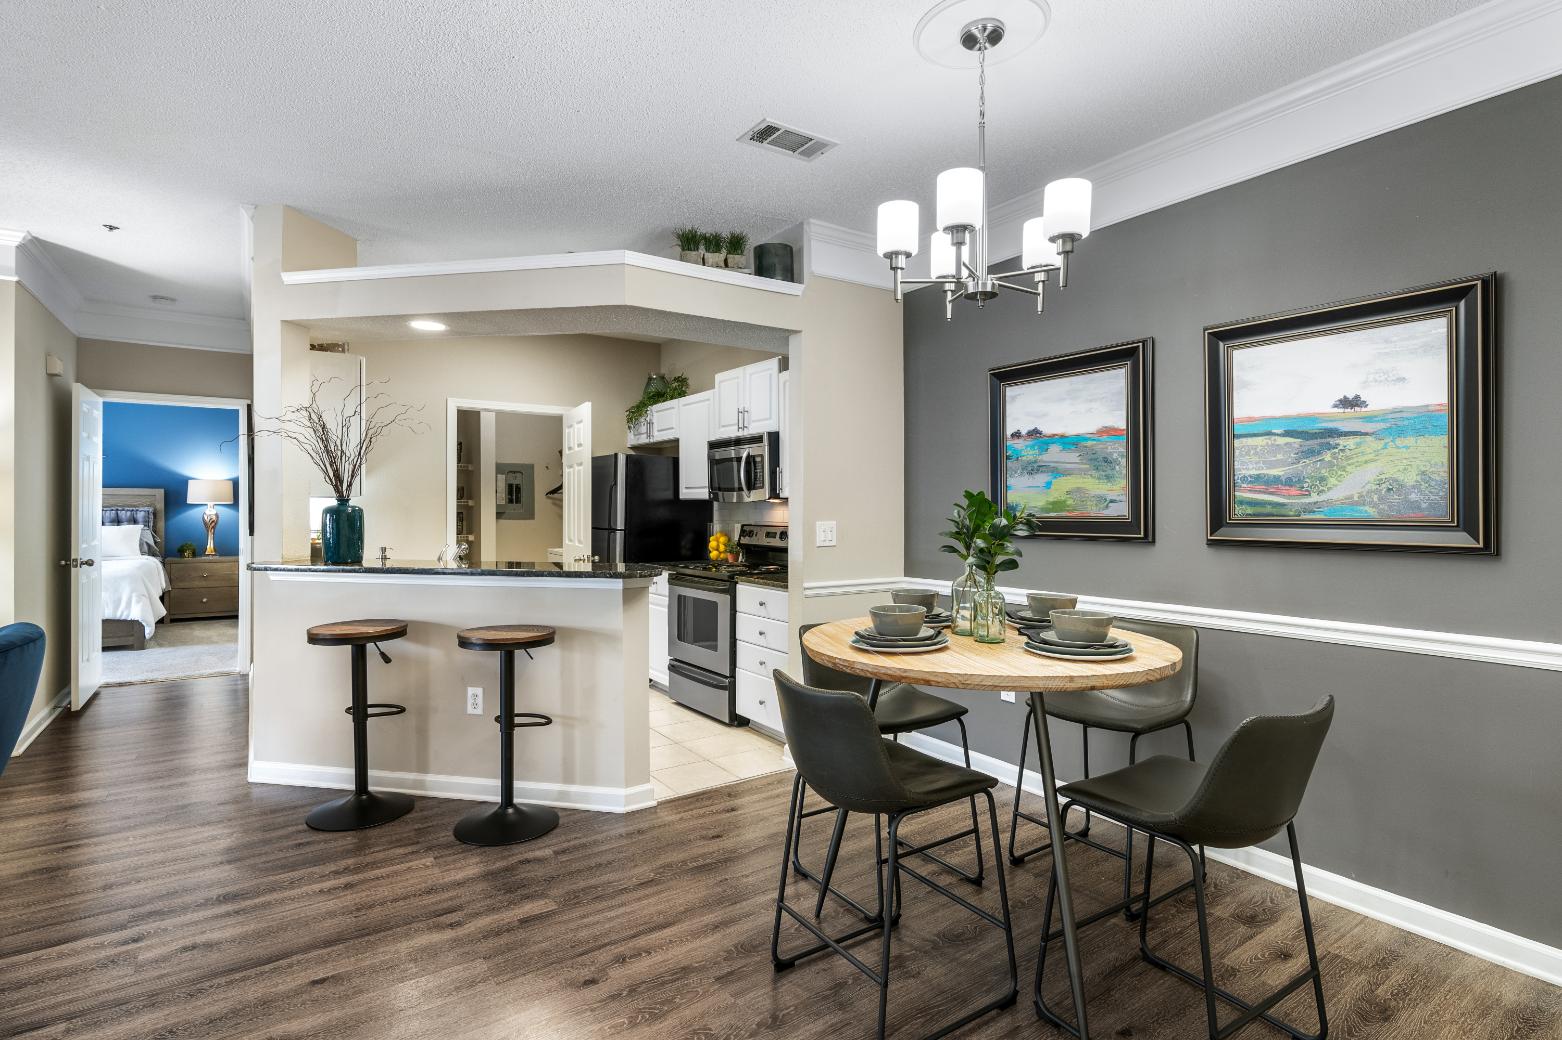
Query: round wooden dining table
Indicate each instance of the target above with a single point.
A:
(966, 664)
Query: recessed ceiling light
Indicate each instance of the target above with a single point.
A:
(163, 299)
(423, 325)
(110, 227)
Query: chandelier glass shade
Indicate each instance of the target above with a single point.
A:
(957, 248)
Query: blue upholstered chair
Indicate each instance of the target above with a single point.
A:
(21, 662)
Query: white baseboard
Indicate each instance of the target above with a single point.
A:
(40, 722)
(469, 788)
(1521, 653)
(1480, 940)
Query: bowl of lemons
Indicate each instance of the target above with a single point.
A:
(719, 545)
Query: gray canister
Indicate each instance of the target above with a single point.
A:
(773, 260)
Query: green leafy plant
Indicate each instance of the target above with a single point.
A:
(658, 389)
(186, 550)
(712, 241)
(982, 535)
(737, 243)
(689, 239)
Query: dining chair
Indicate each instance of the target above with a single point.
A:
(900, 708)
(840, 753)
(1135, 710)
(1247, 794)
(21, 662)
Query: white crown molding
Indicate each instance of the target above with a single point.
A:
(470, 788)
(1462, 933)
(24, 259)
(490, 265)
(1478, 54)
(832, 251)
(1519, 653)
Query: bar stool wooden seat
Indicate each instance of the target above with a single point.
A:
(507, 823)
(363, 808)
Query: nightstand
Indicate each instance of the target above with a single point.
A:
(206, 586)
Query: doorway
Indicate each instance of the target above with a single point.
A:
(173, 486)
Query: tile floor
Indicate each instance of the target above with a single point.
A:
(690, 752)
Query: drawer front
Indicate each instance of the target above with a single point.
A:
(761, 660)
(190, 574)
(204, 601)
(763, 631)
(756, 700)
(765, 602)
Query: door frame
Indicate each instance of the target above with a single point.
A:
(465, 404)
(242, 406)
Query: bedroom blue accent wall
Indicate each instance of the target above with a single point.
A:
(161, 445)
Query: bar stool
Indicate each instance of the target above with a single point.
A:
(363, 808)
(507, 823)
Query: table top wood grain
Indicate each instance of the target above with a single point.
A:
(968, 665)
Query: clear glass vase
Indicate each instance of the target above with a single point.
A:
(962, 600)
(989, 621)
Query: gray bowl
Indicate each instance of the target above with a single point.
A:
(916, 597)
(1043, 603)
(1082, 626)
(897, 619)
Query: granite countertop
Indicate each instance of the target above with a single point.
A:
(497, 568)
(769, 581)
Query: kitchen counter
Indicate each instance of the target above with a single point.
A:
(768, 581)
(496, 569)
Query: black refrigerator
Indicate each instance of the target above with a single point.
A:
(637, 516)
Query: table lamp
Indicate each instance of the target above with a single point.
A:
(212, 493)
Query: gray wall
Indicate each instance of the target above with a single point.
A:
(1441, 779)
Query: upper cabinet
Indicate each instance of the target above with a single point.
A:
(696, 422)
(659, 426)
(748, 399)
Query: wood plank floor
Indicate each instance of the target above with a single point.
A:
(150, 891)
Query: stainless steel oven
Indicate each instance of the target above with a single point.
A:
(699, 644)
(743, 469)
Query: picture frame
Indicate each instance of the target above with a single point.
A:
(1071, 437)
(1404, 459)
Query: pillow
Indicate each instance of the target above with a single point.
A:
(122, 541)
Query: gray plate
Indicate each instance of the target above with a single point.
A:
(860, 645)
(1049, 636)
(1078, 655)
(1024, 617)
(868, 635)
(1030, 630)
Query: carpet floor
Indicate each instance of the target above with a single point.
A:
(177, 650)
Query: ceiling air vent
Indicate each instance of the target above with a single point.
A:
(768, 134)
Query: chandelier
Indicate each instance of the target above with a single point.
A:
(957, 248)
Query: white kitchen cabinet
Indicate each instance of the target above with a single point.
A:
(658, 614)
(695, 421)
(784, 477)
(748, 399)
(664, 422)
(756, 700)
(763, 642)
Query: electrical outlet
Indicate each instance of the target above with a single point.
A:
(1008, 696)
(474, 700)
(824, 533)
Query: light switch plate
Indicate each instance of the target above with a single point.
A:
(824, 533)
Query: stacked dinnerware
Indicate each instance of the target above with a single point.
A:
(937, 616)
(899, 628)
(1077, 635)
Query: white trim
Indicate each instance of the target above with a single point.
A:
(546, 261)
(453, 405)
(38, 723)
(469, 788)
(837, 252)
(369, 576)
(1519, 653)
(1462, 933)
(173, 400)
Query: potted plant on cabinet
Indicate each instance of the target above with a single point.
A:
(689, 239)
(737, 250)
(714, 243)
(658, 390)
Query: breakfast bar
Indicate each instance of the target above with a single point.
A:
(590, 681)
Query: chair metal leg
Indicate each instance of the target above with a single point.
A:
(975, 833)
(1128, 840)
(1084, 746)
(826, 942)
(1017, 858)
(803, 871)
(829, 859)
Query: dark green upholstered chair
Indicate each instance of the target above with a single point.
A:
(1247, 794)
(21, 662)
(841, 754)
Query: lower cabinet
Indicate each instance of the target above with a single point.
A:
(658, 633)
(756, 697)
(763, 642)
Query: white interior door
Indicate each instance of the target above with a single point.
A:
(577, 486)
(86, 546)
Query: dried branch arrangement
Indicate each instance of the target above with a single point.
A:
(338, 440)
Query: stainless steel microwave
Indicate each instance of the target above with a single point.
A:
(744, 469)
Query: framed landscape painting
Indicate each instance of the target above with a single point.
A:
(1366, 425)
(1071, 441)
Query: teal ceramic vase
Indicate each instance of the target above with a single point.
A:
(341, 534)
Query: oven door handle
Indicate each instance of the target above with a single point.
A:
(689, 581)
(699, 675)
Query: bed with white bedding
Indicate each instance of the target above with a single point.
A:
(133, 576)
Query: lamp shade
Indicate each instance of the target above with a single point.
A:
(941, 256)
(1035, 249)
(1066, 207)
(898, 227)
(960, 198)
(209, 492)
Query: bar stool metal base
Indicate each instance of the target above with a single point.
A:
(505, 824)
(355, 812)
